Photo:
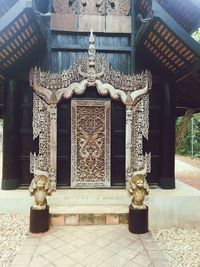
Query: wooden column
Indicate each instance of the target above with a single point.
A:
(167, 177)
(128, 139)
(53, 144)
(11, 144)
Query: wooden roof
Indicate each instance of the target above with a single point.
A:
(184, 12)
(165, 41)
(171, 48)
(20, 33)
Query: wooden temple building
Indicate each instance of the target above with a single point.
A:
(85, 108)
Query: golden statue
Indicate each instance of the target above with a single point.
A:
(40, 188)
(138, 188)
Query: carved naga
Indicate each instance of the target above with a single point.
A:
(138, 187)
(40, 188)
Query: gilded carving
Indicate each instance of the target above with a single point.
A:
(90, 143)
(40, 188)
(138, 187)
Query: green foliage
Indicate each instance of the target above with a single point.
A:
(196, 35)
(186, 146)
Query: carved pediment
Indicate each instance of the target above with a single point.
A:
(90, 70)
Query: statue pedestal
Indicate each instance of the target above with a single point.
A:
(138, 220)
(39, 220)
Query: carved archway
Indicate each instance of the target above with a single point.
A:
(89, 70)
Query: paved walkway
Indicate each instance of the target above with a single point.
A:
(188, 171)
(102, 245)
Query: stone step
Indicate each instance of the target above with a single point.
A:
(167, 208)
(89, 215)
(90, 197)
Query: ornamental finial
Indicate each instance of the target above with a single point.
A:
(91, 50)
(91, 39)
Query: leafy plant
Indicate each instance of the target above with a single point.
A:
(186, 146)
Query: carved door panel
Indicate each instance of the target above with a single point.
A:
(91, 142)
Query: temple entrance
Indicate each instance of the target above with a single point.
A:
(104, 121)
(90, 72)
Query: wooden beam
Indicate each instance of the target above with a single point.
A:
(133, 36)
(171, 48)
(66, 47)
(190, 69)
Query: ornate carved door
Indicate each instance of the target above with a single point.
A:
(90, 148)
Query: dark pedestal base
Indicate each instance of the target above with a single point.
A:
(138, 220)
(39, 220)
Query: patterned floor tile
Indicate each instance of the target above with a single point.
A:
(90, 246)
(116, 261)
(64, 261)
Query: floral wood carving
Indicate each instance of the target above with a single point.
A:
(42, 119)
(140, 122)
(90, 143)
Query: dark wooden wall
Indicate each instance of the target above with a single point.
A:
(64, 48)
(26, 142)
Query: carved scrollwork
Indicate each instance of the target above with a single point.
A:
(42, 119)
(141, 123)
(90, 70)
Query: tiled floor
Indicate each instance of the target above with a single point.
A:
(101, 245)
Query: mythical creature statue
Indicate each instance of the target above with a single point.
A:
(40, 188)
(138, 188)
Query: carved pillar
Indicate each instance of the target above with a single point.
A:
(167, 178)
(128, 140)
(11, 143)
(53, 144)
